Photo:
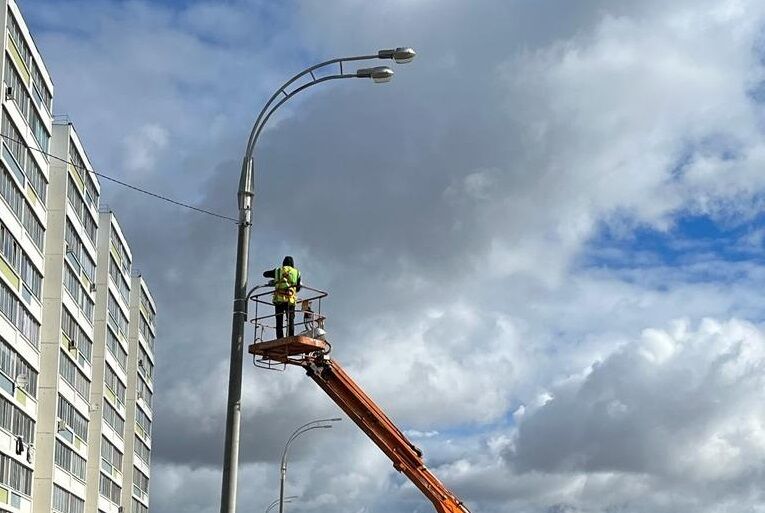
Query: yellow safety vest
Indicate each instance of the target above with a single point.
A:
(285, 284)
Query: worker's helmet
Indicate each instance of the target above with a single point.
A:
(288, 261)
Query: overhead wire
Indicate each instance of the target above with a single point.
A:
(124, 184)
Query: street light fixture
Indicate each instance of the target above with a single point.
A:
(401, 55)
(314, 424)
(245, 203)
(378, 74)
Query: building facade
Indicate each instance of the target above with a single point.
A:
(76, 327)
(140, 414)
(25, 126)
(67, 340)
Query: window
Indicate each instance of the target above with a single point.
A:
(18, 260)
(76, 253)
(113, 419)
(23, 426)
(116, 315)
(148, 336)
(13, 366)
(76, 336)
(145, 366)
(18, 38)
(34, 228)
(140, 483)
(148, 309)
(31, 276)
(74, 376)
(73, 194)
(69, 460)
(138, 507)
(124, 259)
(24, 102)
(18, 315)
(119, 280)
(116, 349)
(142, 450)
(110, 489)
(142, 420)
(143, 391)
(75, 288)
(6, 413)
(111, 455)
(11, 193)
(90, 193)
(38, 130)
(114, 384)
(15, 421)
(15, 475)
(74, 419)
(37, 179)
(17, 87)
(40, 88)
(17, 151)
(65, 502)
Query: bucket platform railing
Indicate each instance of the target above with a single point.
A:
(271, 352)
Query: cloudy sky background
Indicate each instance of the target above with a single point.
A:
(543, 239)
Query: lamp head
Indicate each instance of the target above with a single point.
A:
(401, 55)
(378, 74)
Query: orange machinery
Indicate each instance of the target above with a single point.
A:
(311, 354)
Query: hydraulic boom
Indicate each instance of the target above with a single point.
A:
(406, 458)
(310, 354)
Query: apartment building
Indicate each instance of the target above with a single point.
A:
(25, 126)
(66, 355)
(140, 398)
(109, 393)
(76, 328)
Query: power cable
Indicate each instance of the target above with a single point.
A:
(124, 184)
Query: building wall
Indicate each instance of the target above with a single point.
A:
(143, 311)
(68, 328)
(109, 392)
(76, 329)
(25, 122)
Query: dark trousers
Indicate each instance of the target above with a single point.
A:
(281, 309)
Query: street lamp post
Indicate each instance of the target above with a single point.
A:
(315, 424)
(245, 203)
(287, 500)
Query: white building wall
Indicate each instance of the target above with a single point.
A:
(67, 347)
(135, 498)
(109, 392)
(23, 217)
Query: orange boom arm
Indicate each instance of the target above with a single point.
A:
(406, 458)
(310, 354)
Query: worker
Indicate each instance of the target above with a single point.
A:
(286, 282)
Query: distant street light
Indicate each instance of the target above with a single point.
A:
(286, 500)
(244, 200)
(314, 424)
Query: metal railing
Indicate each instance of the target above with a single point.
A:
(308, 320)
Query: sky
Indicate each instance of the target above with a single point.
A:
(543, 240)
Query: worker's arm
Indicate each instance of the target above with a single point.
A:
(298, 286)
(270, 274)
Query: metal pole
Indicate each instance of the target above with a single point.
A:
(233, 412)
(295, 434)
